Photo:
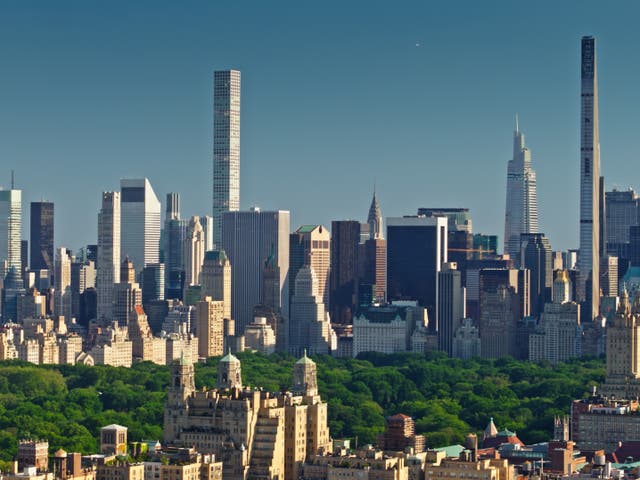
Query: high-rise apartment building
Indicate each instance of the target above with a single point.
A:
(210, 327)
(152, 283)
(194, 245)
(83, 276)
(309, 326)
(10, 231)
(372, 271)
(521, 212)
(343, 275)
(41, 236)
(310, 245)
(451, 305)
(535, 255)
(249, 238)
(108, 268)
(127, 294)
(207, 226)
(139, 223)
(416, 250)
(175, 231)
(226, 147)
(216, 278)
(62, 279)
(589, 258)
(622, 212)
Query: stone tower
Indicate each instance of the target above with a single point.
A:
(229, 372)
(305, 378)
(181, 387)
(561, 428)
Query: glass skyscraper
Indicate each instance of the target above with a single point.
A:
(11, 230)
(41, 236)
(521, 212)
(226, 147)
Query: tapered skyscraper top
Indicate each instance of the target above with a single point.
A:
(226, 147)
(521, 212)
(375, 218)
(589, 258)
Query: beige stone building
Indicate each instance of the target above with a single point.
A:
(113, 347)
(216, 278)
(366, 464)
(486, 469)
(120, 471)
(254, 433)
(210, 327)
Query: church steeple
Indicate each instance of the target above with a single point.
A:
(375, 218)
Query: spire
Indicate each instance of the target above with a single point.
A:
(374, 219)
(517, 129)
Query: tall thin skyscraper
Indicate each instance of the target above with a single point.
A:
(343, 273)
(139, 223)
(175, 231)
(226, 147)
(589, 258)
(41, 238)
(10, 231)
(108, 269)
(62, 276)
(521, 212)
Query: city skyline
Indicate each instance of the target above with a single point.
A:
(289, 122)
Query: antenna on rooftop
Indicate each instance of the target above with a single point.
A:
(12, 179)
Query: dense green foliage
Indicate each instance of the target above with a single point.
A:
(68, 404)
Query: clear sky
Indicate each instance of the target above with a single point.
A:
(419, 96)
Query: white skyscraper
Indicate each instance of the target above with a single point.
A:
(108, 271)
(521, 212)
(250, 239)
(139, 223)
(589, 257)
(10, 230)
(62, 277)
(226, 147)
(194, 248)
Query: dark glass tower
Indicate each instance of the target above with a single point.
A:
(41, 238)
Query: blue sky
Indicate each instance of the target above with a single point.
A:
(417, 96)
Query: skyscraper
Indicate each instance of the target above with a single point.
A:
(310, 245)
(62, 278)
(41, 238)
(10, 231)
(521, 212)
(226, 147)
(175, 230)
(451, 305)
(249, 238)
(416, 250)
(535, 255)
(108, 268)
(216, 278)
(193, 252)
(622, 212)
(589, 258)
(310, 328)
(139, 223)
(374, 219)
(343, 275)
